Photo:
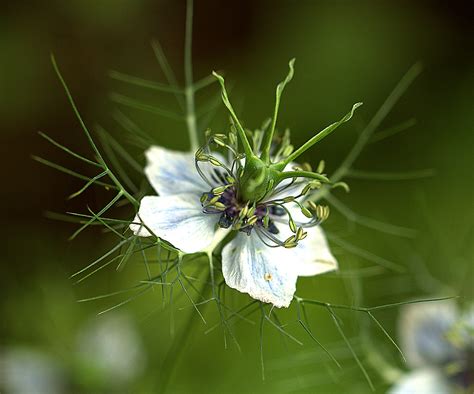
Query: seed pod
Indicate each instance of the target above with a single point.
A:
(306, 212)
(232, 139)
(307, 167)
(288, 150)
(292, 226)
(214, 200)
(251, 211)
(290, 242)
(321, 166)
(306, 189)
(201, 156)
(214, 161)
(219, 190)
(243, 212)
(219, 206)
(252, 220)
(266, 221)
(301, 234)
(322, 212)
(219, 141)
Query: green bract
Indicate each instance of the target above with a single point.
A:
(260, 176)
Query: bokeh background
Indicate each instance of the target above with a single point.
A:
(346, 52)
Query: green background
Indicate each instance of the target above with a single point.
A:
(345, 52)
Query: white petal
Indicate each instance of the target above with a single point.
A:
(177, 219)
(171, 172)
(422, 381)
(422, 330)
(315, 257)
(266, 274)
(312, 256)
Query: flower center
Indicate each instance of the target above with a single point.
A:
(250, 196)
(235, 214)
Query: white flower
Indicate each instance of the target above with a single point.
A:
(108, 349)
(438, 343)
(25, 370)
(110, 345)
(249, 265)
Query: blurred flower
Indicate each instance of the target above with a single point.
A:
(24, 370)
(265, 258)
(109, 356)
(110, 348)
(438, 343)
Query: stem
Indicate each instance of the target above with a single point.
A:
(240, 130)
(375, 122)
(268, 137)
(100, 159)
(372, 126)
(318, 137)
(175, 352)
(302, 174)
(180, 343)
(188, 76)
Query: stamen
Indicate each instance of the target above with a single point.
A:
(245, 216)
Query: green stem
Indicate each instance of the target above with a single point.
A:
(318, 137)
(180, 343)
(100, 159)
(240, 130)
(371, 127)
(375, 122)
(175, 352)
(268, 136)
(188, 76)
(302, 174)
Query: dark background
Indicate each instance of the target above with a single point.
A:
(346, 52)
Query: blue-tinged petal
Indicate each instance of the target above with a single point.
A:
(25, 370)
(423, 329)
(266, 274)
(422, 381)
(177, 219)
(172, 172)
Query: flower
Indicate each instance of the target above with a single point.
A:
(28, 370)
(253, 193)
(109, 356)
(438, 342)
(110, 348)
(251, 262)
